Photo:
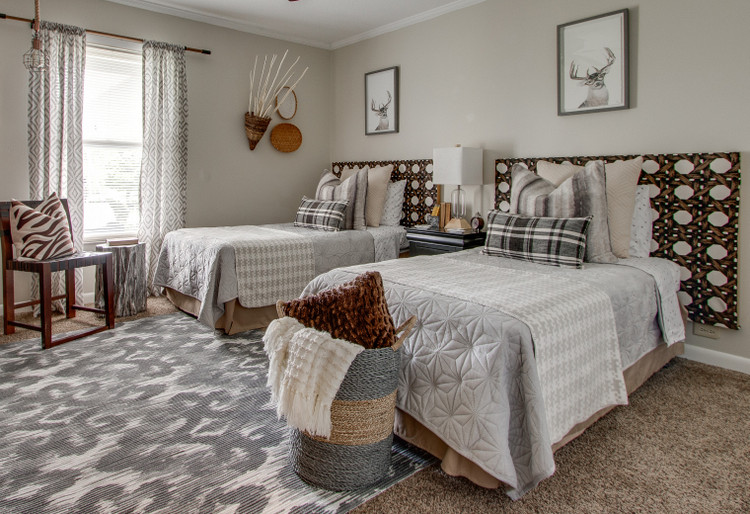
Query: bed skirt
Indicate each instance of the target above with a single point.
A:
(235, 319)
(454, 464)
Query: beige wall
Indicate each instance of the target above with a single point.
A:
(227, 183)
(483, 76)
(486, 76)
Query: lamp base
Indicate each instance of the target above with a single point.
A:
(458, 224)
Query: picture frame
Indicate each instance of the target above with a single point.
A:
(593, 71)
(382, 107)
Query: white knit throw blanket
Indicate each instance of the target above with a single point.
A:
(305, 372)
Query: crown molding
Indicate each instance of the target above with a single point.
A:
(219, 21)
(405, 22)
(231, 23)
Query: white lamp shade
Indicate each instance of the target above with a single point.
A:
(457, 165)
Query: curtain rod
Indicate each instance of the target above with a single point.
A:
(128, 38)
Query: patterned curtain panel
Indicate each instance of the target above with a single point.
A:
(55, 131)
(163, 193)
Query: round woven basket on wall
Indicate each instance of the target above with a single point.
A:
(358, 452)
(286, 137)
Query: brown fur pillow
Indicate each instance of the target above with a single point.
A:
(355, 311)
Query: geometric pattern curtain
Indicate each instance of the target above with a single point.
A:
(55, 131)
(163, 187)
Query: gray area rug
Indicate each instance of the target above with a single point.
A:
(161, 414)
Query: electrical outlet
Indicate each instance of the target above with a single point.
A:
(709, 331)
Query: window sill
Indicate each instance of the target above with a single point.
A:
(90, 243)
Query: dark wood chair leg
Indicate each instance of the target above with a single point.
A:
(9, 301)
(45, 305)
(109, 292)
(70, 292)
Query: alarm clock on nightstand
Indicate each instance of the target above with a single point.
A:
(477, 222)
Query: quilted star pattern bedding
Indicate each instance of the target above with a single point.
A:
(262, 264)
(471, 371)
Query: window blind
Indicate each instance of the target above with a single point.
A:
(112, 141)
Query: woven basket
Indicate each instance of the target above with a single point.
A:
(255, 127)
(358, 452)
(286, 137)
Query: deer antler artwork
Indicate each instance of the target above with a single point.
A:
(598, 95)
(382, 112)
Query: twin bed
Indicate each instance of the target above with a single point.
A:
(231, 277)
(511, 359)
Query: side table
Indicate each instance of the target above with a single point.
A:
(432, 241)
(129, 272)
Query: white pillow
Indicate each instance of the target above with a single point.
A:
(394, 202)
(642, 226)
(622, 180)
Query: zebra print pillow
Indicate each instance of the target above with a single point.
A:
(42, 233)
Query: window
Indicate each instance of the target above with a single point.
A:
(112, 138)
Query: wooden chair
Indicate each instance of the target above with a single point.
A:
(45, 269)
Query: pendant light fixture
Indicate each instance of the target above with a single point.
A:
(34, 59)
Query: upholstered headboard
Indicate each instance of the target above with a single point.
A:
(695, 198)
(420, 195)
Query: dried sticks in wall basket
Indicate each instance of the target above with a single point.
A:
(264, 88)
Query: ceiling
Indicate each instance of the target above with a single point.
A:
(326, 24)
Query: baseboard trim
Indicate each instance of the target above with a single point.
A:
(714, 358)
(88, 298)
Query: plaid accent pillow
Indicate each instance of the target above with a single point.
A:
(583, 194)
(553, 241)
(42, 233)
(321, 214)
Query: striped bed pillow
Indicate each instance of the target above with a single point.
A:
(583, 194)
(331, 188)
(552, 241)
(328, 215)
(42, 233)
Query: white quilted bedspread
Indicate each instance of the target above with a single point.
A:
(208, 263)
(496, 382)
(572, 325)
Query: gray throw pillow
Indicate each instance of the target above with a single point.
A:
(394, 204)
(360, 201)
(583, 194)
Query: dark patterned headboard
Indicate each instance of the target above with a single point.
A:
(696, 198)
(420, 195)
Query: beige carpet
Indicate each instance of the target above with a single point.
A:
(682, 445)
(155, 306)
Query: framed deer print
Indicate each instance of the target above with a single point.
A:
(592, 64)
(381, 101)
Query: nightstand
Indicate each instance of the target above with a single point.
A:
(129, 272)
(431, 242)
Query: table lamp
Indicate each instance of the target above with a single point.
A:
(462, 166)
